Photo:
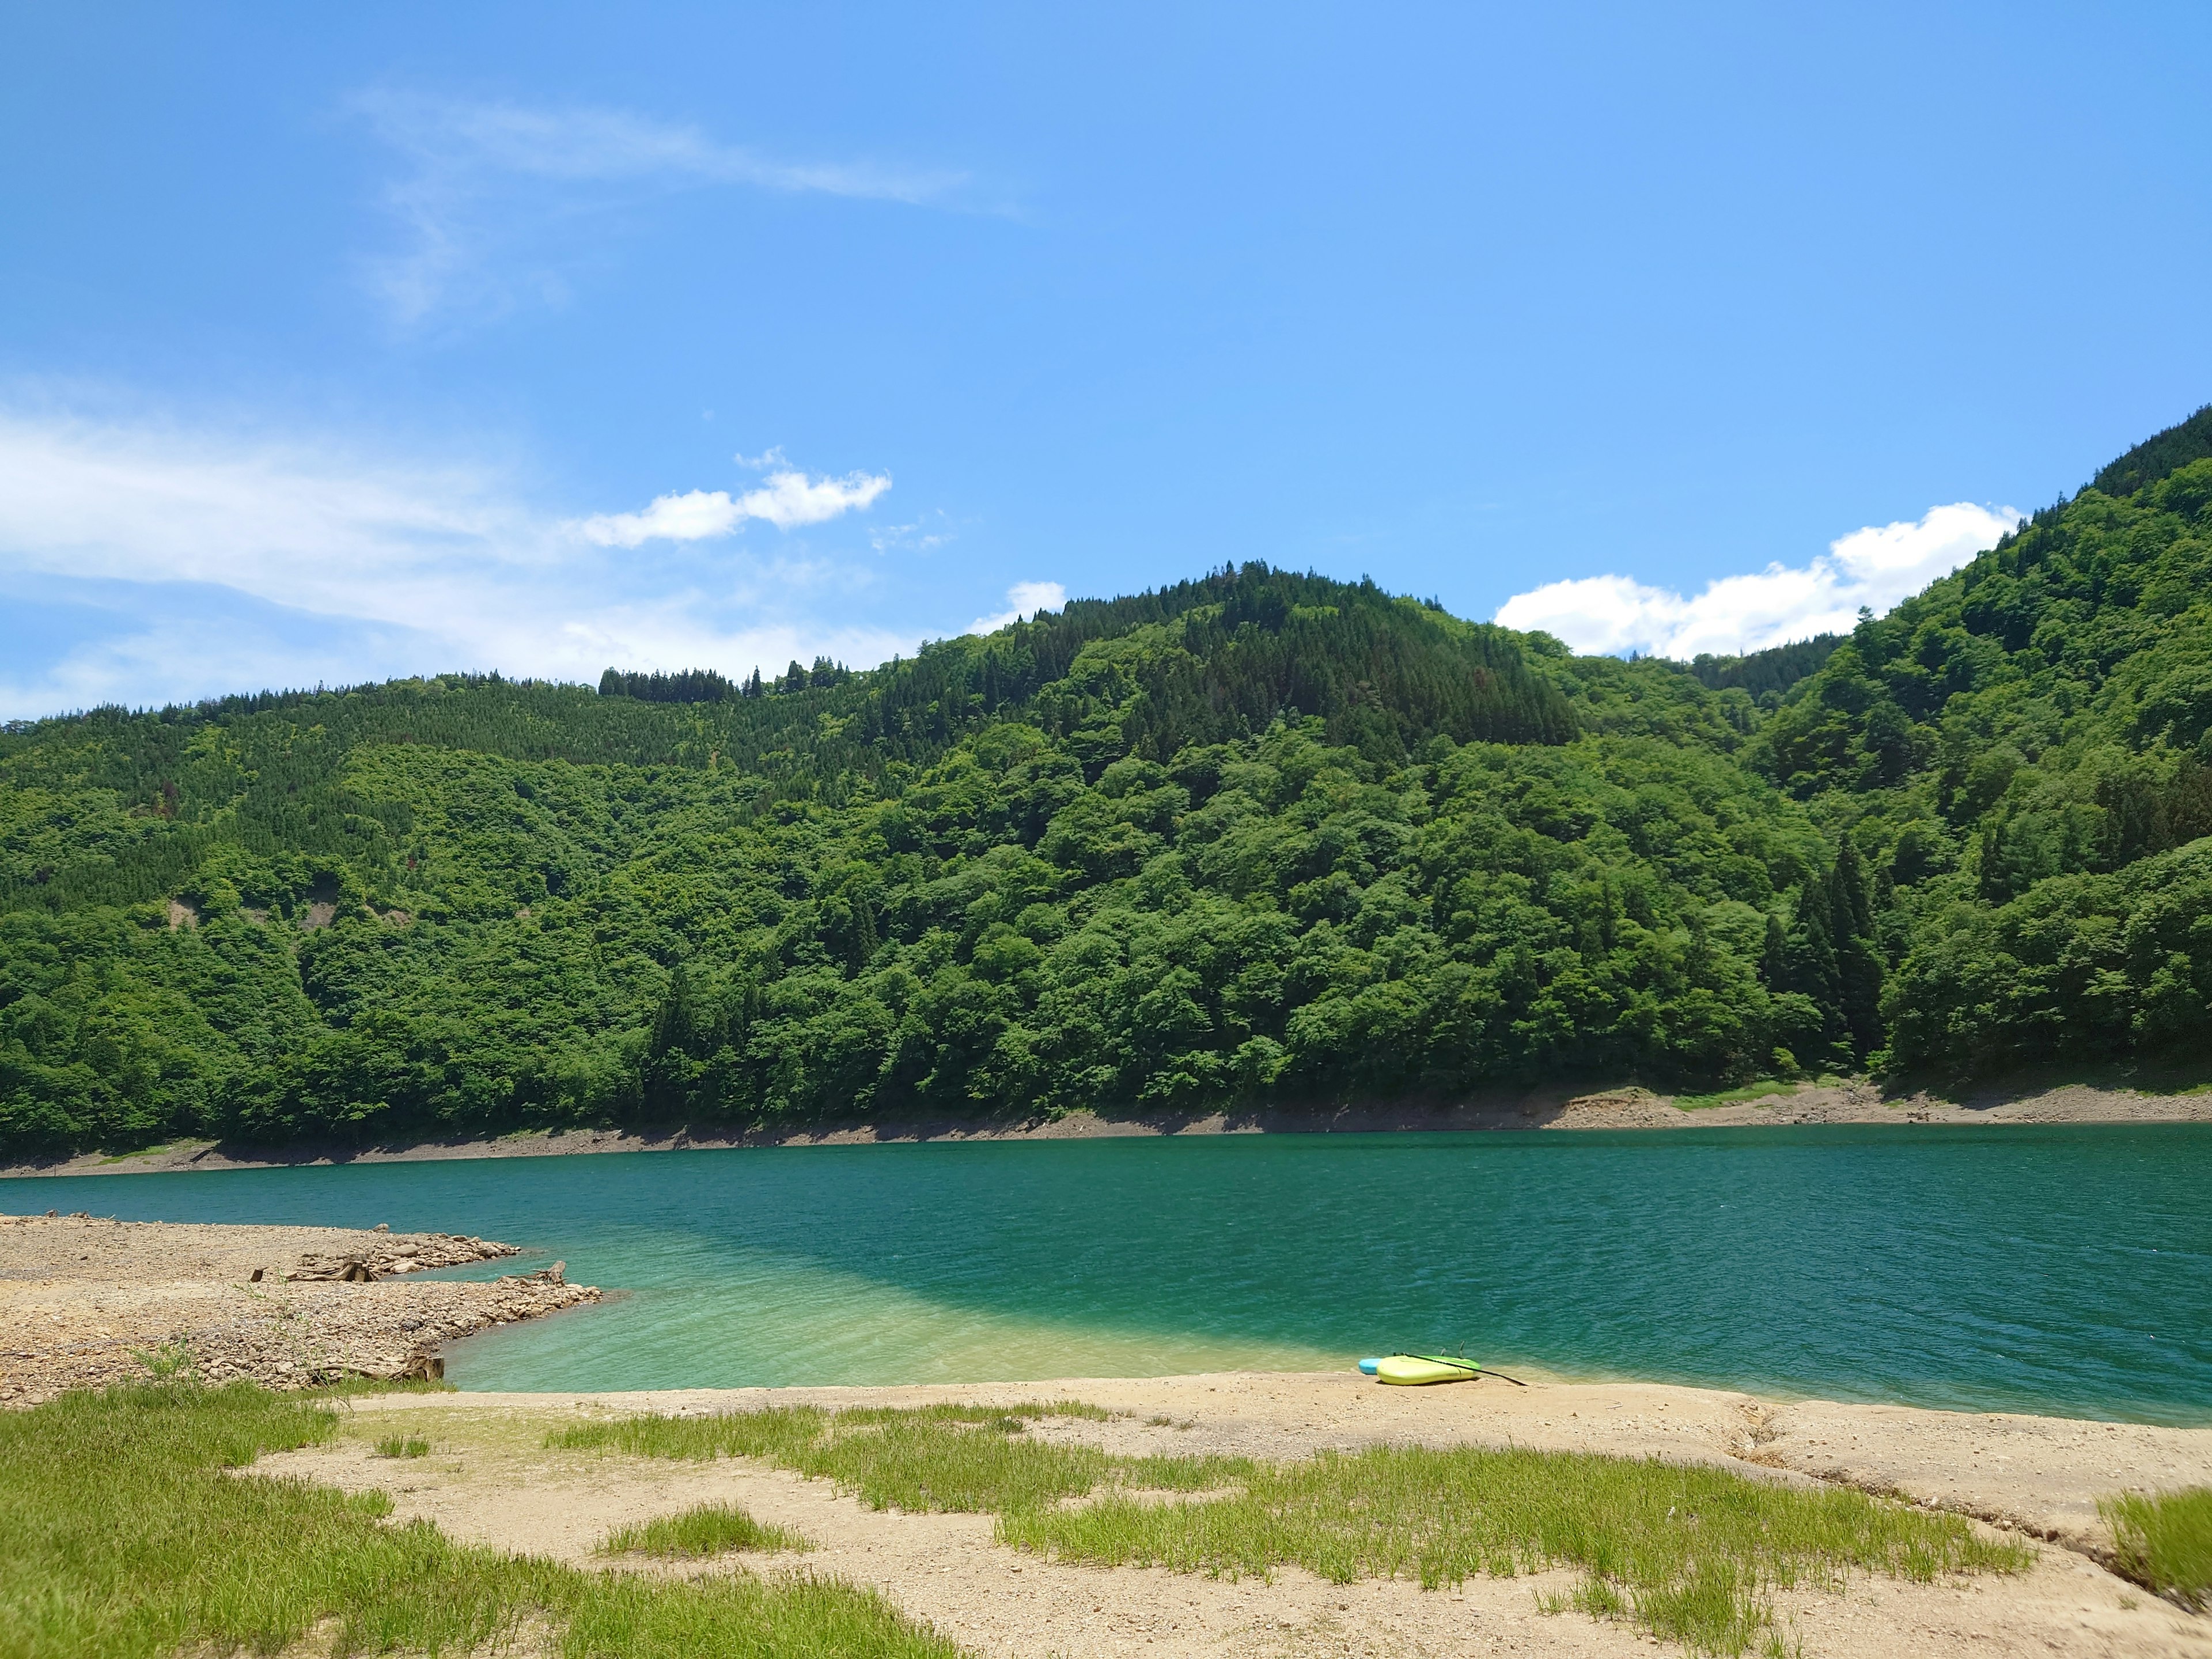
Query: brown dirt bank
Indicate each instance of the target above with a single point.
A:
(491, 1480)
(2015, 1101)
(83, 1299)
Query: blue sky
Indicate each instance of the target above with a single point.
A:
(337, 343)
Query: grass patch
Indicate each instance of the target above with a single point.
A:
(1688, 1554)
(2165, 1543)
(143, 1152)
(123, 1537)
(356, 1388)
(1735, 1096)
(962, 1458)
(709, 1529)
(393, 1445)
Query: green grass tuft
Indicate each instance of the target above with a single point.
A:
(2165, 1543)
(393, 1445)
(709, 1529)
(161, 1552)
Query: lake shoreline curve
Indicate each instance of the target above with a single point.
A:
(2016, 1102)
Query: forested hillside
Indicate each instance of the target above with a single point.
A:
(1259, 837)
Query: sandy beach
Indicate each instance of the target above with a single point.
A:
(489, 1479)
(2013, 1104)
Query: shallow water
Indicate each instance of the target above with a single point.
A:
(2066, 1268)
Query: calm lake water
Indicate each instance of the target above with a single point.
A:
(2061, 1269)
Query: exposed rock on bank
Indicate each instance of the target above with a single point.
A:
(85, 1302)
(2021, 1100)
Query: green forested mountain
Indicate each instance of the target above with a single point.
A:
(1258, 838)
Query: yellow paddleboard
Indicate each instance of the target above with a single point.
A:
(1409, 1369)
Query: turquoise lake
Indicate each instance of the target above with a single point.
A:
(2063, 1269)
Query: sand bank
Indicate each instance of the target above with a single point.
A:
(489, 1479)
(83, 1301)
(1537, 1109)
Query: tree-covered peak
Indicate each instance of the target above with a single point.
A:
(2157, 458)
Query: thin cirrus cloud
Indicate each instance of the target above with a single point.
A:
(492, 195)
(1874, 567)
(787, 499)
(144, 560)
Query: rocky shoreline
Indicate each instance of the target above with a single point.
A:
(1855, 1101)
(86, 1302)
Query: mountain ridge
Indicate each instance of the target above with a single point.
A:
(1252, 839)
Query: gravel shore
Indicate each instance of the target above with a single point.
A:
(1853, 1101)
(86, 1302)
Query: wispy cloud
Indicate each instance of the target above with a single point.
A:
(1874, 567)
(925, 535)
(193, 561)
(490, 187)
(1024, 600)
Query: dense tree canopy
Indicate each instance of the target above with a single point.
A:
(1257, 837)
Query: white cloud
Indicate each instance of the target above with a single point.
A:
(790, 499)
(196, 561)
(786, 499)
(687, 517)
(1023, 599)
(496, 185)
(1875, 567)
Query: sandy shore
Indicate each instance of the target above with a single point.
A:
(82, 1300)
(491, 1480)
(1541, 1109)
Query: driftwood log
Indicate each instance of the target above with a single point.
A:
(351, 1270)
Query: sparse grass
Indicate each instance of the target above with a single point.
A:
(968, 1459)
(1690, 1553)
(1761, 1090)
(709, 1529)
(356, 1388)
(1686, 1553)
(393, 1445)
(2165, 1542)
(143, 1152)
(123, 1537)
